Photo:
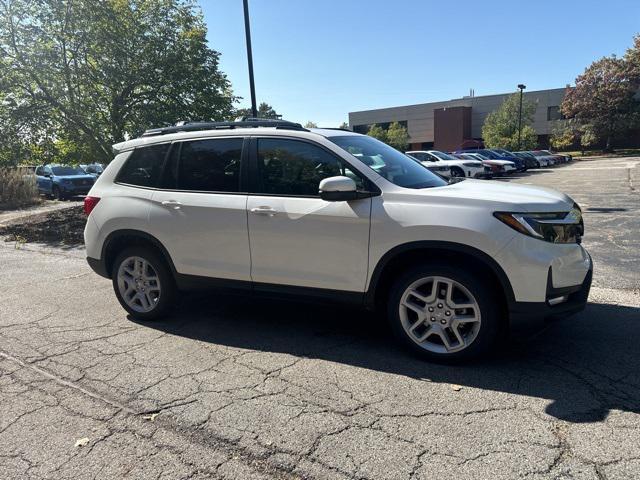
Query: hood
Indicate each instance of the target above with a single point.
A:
(454, 163)
(498, 162)
(502, 196)
(83, 176)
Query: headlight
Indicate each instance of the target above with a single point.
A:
(563, 227)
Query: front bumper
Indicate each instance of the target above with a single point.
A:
(526, 316)
(75, 190)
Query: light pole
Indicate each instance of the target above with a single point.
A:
(247, 31)
(521, 87)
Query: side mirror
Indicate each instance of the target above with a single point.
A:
(338, 189)
(47, 174)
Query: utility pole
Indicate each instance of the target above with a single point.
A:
(521, 87)
(247, 31)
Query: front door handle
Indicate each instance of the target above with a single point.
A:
(264, 211)
(172, 203)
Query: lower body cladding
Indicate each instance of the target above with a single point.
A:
(548, 280)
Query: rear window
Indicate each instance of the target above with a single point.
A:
(144, 166)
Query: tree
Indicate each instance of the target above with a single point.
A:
(376, 131)
(398, 136)
(264, 111)
(588, 137)
(344, 126)
(500, 129)
(604, 98)
(563, 134)
(101, 72)
(310, 124)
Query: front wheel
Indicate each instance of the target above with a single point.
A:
(57, 193)
(143, 284)
(444, 313)
(457, 172)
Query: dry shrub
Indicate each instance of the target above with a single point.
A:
(17, 188)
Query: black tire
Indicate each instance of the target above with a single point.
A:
(168, 290)
(57, 193)
(457, 172)
(491, 330)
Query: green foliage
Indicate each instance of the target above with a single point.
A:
(563, 135)
(500, 129)
(398, 136)
(588, 136)
(17, 188)
(604, 99)
(310, 124)
(376, 131)
(264, 111)
(96, 73)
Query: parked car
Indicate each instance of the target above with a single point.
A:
(540, 155)
(336, 216)
(529, 160)
(496, 167)
(541, 161)
(562, 157)
(61, 181)
(506, 154)
(457, 167)
(494, 155)
(94, 169)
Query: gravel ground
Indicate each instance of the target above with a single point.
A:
(237, 389)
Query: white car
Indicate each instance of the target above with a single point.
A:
(269, 207)
(496, 166)
(457, 167)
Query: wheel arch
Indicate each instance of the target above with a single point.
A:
(402, 256)
(117, 240)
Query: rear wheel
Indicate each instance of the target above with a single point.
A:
(445, 313)
(143, 284)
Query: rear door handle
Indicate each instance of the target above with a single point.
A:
(264, 211)
(172, 203)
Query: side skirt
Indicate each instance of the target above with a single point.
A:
(269, 290)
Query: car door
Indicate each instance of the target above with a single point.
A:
(43, 179)
(298, 239)
(199, 212)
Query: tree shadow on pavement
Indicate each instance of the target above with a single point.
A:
(586, 365)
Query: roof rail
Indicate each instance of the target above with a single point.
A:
(246, 122)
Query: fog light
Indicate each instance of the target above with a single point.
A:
(557, 300)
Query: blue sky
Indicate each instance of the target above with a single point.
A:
(319, 59)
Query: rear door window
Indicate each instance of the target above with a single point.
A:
(211, 165)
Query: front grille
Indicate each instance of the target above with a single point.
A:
(78, 182)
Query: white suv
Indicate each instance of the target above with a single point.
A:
(272, 208)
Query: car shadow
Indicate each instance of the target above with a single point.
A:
(583, 367)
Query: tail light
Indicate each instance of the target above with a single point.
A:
(90, 203)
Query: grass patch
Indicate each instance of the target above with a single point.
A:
(17, 189)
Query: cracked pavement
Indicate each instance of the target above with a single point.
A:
(234, 388)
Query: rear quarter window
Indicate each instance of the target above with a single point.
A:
(144, 166)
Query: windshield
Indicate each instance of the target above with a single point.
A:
(388, 162)
(67, 171)
(489, 154)
(442, 155)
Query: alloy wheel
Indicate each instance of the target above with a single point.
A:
(139, 284)
(440, 314)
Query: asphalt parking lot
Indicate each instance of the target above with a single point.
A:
(233, 388)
